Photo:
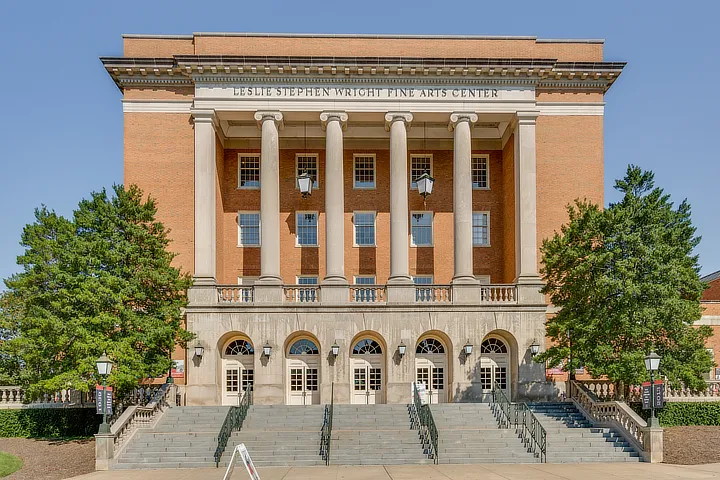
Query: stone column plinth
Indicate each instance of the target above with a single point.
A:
(104, 450)
(460, 123)
(525, 199)
(654, 445)
(397, 123)
(333, 123)
(269, 122)
(205, 178)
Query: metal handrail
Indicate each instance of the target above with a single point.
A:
(519, 416)
(233, 421)
(326, 431)
(428, 430)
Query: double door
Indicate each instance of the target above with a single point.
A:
(303, 382)
(238, 377)
(367, 380)
(430, 370)
(494, 371)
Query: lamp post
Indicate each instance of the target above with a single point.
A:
(652, 364)
(104, 367)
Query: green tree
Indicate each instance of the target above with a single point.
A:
(101, 282)
(626, 282)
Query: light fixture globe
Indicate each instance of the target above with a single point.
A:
(468, 348)
(335, 349)
(534, 349)
(267, 349)
(402, 348)
(425, 184)
(652, 362)
(305, 182)
(104, 364)
(199, 350)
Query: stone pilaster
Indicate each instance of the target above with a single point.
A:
(205, 178)
(526, 199)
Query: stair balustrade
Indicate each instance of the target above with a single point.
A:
(523, 420)
(326, 430)
(233, 422)
(424, 418)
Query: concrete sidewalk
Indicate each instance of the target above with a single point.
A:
(584, 471)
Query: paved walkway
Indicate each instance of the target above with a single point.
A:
(586, 471)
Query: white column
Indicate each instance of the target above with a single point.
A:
(269, 122)
(205, 178)
(396, 123)
(525, 198)
(460, 122)
(333, 123)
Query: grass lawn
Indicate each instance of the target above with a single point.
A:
(9, 464)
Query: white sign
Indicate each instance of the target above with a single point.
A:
(241, 451)
(422, 393)
(334, 93)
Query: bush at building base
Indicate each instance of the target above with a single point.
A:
(675, 414)
(49, 422)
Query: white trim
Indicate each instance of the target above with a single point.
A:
(317, 227)
(486, 212)
(571, 108)
(486, 156)
(709, 320)
(255, 155)
(247, 280)
(317, 168)
(483, 279)
(374, 158)
(259, 244)
(156, 106)
(419, 155)
(374, 213)
(432, 228)
(355, 277)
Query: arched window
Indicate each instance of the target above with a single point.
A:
(304, 347)
(493, 345)
(239, 347)
(367, 346)
(430, 345)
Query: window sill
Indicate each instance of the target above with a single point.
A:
(247, 188)
(364, 188)
(481, 246)
(364, 246)
(306, 246)
(248, 246)
(481, 188)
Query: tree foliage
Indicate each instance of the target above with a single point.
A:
(626, 282)
(99, 282)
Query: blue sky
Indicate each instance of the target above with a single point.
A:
(61, 133)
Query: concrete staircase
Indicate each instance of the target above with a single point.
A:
(572, 438)
(185, 437)
(280, 435)
(375, 435)
(468, 433)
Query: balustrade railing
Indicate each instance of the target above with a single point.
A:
(523, 420)
(433, 293)
(605, 390)
(426, 423)
(498, 294)
(235, 294)
(233, 422)
(140, 416)
(301, 294)
(326, 430)
(14, 396)
(367, 294)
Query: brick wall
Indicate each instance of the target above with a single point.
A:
(712, 293)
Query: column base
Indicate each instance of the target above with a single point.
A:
(269, 280)
(200, 281)
(464, 280)
(334, 280)
(400, 280)
(203, 292)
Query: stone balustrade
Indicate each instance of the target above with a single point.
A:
(605, 390)
(14, 397)
(433, 293)
(368, 294)
(498, 294)
(301, 294)
(235, 294)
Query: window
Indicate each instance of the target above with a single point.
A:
(365, 280)
(493, 345)
(239, 347)
(307, 280)
(308, 162)
(248, 229)
(245, 295)
(419, 164)
(481, 172)
(248, 171)
(367, 347)
(304, 347)
(430, 345)
(364, 171)
(423, 279)
(306, 232)
(481, 229)
(423, 294)
(421, 232)
(364, 223)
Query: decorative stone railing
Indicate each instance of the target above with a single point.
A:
(618, 415)
(433, 293)
(605, 390)
(301, 294)
(367, 294)
(235, 294)
(14, 397)
(498, 294)
(108, 446)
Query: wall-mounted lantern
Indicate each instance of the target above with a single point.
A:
(267, 349)
(534, 349)
(425, 184)
(199, 350)
(305, 182)
(467, 348)
(402, 348)
(335, 349)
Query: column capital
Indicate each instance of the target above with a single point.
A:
(392, 117)
(459, 117)
(527, 117)
(330, 116)
(263, 116)
(203, 116)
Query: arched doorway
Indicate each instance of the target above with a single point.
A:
(303, 367)
(431, 368)
(238, 370)
(494, 367)
(366, 367)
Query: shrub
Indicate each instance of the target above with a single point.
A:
(49, 422)
(675, 414)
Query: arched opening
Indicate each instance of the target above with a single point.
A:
(431, 367)
(367, 361)
(238, 369)
(495, 366)
(302, 355)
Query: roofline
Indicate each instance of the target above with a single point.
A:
(711, 277)
(365, 35)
